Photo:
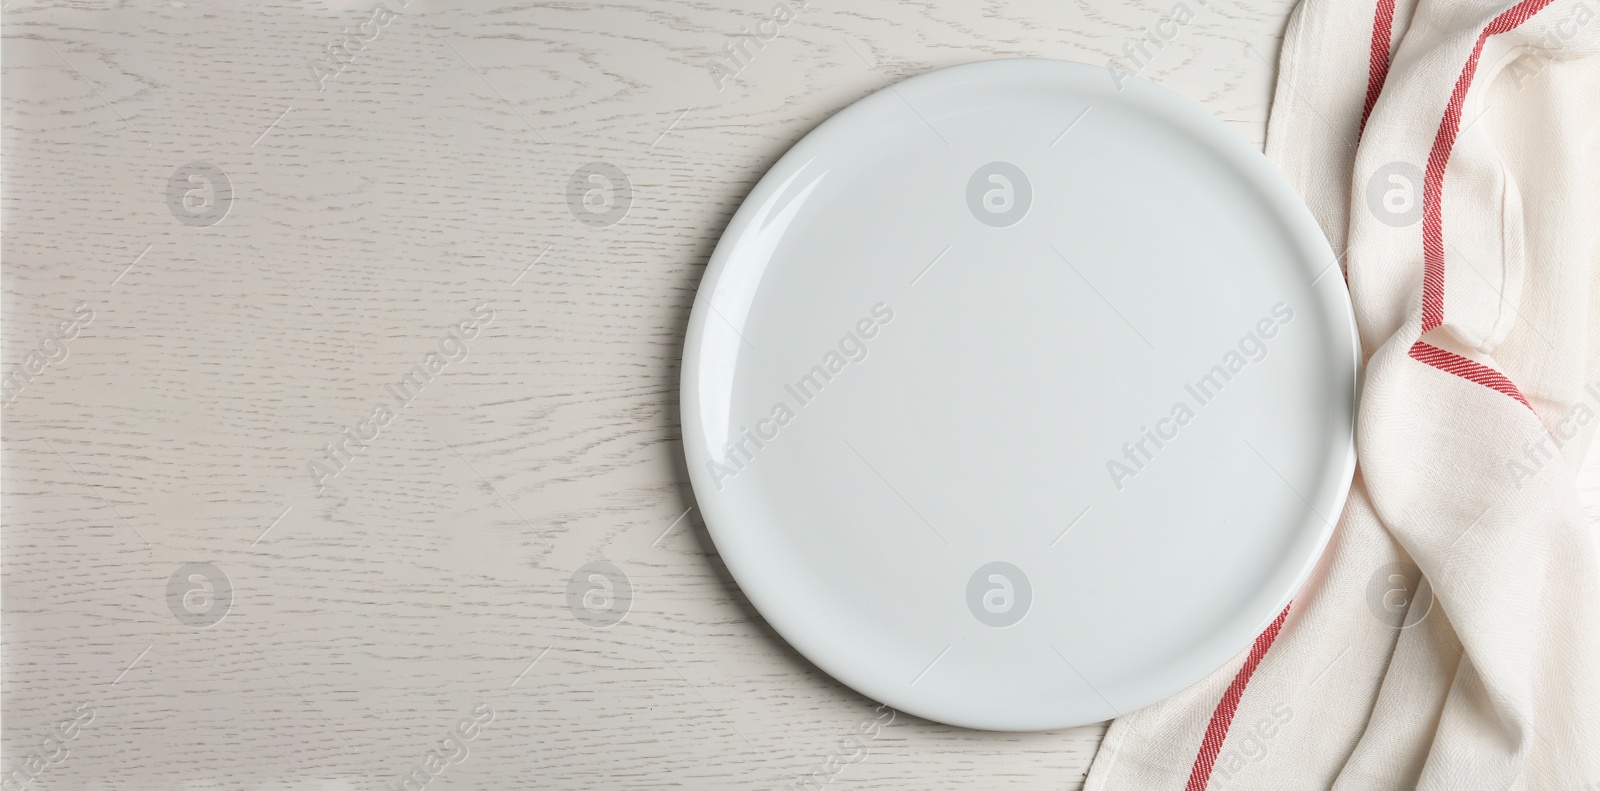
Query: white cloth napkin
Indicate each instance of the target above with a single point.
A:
(1451, 150)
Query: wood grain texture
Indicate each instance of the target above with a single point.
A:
(368, 218)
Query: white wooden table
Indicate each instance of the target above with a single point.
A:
(373, 203)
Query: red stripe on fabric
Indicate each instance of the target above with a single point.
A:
(1378, 65)
(1217, 730)
(1475, 372)
(1433, 178)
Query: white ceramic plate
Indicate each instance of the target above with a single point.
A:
(1017, 401)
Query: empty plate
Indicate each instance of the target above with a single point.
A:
(1018, 398)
